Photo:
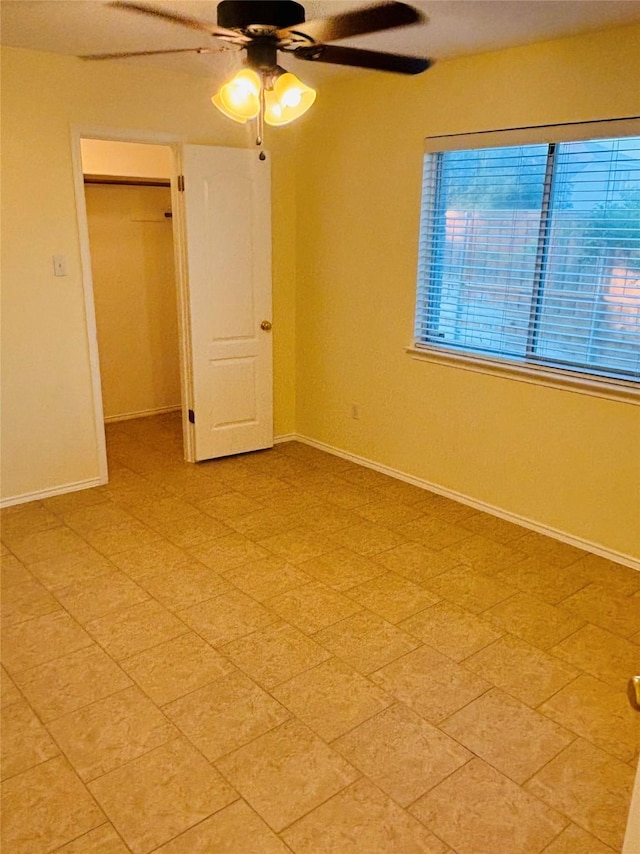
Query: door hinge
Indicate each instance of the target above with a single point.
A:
(192, 417)
(181, 183)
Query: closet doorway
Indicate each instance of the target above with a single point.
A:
(127, 188)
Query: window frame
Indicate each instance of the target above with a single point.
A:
(532, 369)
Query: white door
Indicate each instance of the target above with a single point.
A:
(227, 206)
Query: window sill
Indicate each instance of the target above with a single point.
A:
(610, 389)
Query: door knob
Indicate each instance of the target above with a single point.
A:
(266, 325)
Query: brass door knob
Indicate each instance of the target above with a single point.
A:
(266, 325)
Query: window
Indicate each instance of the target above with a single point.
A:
(531, 252)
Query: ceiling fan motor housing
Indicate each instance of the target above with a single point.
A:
(240, 14)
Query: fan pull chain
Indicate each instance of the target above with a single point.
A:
(260, 134)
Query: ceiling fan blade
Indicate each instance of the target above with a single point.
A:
(191, 23)
(363, 58)
(384, 16)
(152, 53)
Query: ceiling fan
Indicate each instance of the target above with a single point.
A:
(262, 28)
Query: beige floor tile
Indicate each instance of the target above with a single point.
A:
(182, 587)
(226, 714)
(136, 628)
(327, 517)
(273, 773)
(45, 807)
(574, 840)
(452, 630)
(554, 552)
(42, 545)
(111, 732)
(444, 508)
(25, 601)
(56, 573)
(85, 520)
(313, 607)
(403, 754)
(266, 578)
(605, 656)
(25, 742)
(598, 713)
(121, 537)
(479, 811)
(88, 600)
(615, 577)
(433, 533)
(228, 552)
(589, 786)
(485, 554)
(298, 546)
(366, 477)
(70, 501)
(265, 522)
(400, 491)
(392, 597)
(191, 530)
(416, 563)
(102, 840)
(389, 512)
(12, 572)
(348, 496)
(533, 620)
(175, 668)
(40, 640)
(332, 698)
(495, 528)
(430, 683)
(275, 654)
(70, 682)
(368, 539)
(234, 830)
(23, 519)
(513, 738)
(8, 692)
(341, 569)
(366, 641)
(161, 794)
(551, 583)
(358, 819)
(227, 617)
(231, 505)
(470, 589)
(149, 560)
(521, 670)
(611, 611)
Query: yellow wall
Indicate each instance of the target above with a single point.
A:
(558, 458)
(107, 157)
(134, 289)
(47, 413)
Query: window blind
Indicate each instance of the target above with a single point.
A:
(532, 253)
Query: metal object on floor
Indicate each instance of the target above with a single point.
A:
(634, 692)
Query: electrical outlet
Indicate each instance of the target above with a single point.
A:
(355, 411)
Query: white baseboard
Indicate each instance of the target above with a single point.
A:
(50, 493)
(285, 437)
(142, 413)
(570, 539)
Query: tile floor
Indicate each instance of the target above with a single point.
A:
(284, 651)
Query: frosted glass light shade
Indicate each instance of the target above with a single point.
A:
(289, 99)
(240, 98)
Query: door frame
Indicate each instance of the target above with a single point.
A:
(79, 132)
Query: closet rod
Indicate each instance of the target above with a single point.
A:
(123, 179)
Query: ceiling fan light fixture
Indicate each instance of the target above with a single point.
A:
(239, 99)
(289, 99)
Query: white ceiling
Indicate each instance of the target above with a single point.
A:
(455, 28)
